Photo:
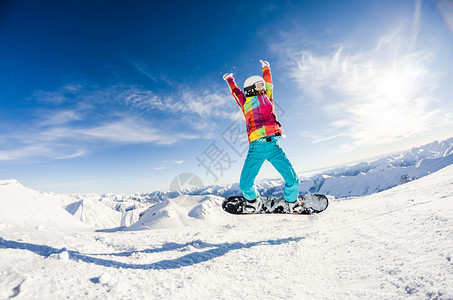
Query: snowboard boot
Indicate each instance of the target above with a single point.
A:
(253, 206)
(296, 207)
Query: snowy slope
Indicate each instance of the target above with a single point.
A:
(117, 202)
(102, 211)
(182, 211)
(25, 207)
(94, 213)
(394, 244)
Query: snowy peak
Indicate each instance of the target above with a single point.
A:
(10, 182)
(22, 206)
(409, 158)
(363, 178)
(94, 213)
(374, 176)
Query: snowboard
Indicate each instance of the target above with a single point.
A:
(313, 204)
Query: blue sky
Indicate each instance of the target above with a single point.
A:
(123, 96)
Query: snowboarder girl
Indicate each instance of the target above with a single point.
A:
(264, 132)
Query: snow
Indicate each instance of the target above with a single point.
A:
(103, 211)
(182, 211)
(25, 207)
(366, 178)
(393, 244)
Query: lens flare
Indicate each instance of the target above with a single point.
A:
(445, 8)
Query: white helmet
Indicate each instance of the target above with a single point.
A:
(254, 83)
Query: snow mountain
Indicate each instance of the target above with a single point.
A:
(359, 179)
(102, 211)
(371, 177)
(22, 206)
(182, 211)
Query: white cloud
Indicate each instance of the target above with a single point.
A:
(21, 152)
(373, 96)
(61, 117)
(84, 118)
(177, 162)
(60, 142)
(197, 111)
(27, 150)
(184, 100)
(372, 100)
(144, 70)
(128, 130)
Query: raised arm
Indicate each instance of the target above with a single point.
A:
(267, 76)
(235, 90)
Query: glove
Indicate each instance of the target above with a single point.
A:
(227, 75)
(264, 63)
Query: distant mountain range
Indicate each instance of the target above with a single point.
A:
(354, 180)
(374, 176)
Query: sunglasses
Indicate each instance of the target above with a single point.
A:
(257, 87)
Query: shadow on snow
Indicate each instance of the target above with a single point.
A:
(212, 251)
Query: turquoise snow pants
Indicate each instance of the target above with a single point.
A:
(271, 151)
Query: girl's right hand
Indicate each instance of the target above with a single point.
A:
(227, 75)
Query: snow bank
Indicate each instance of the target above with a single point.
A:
(25, 207)
(182, 211)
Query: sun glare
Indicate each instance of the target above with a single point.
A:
(396, 106)
(373, 98)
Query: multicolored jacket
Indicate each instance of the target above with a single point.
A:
(258, 110)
